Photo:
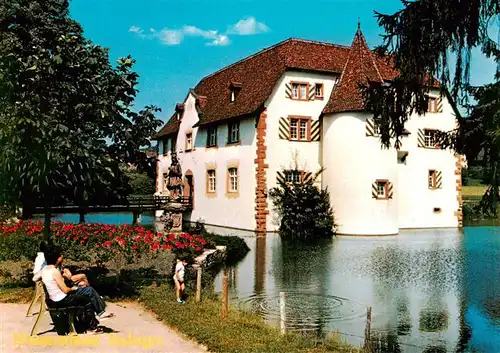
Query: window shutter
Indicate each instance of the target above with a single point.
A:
(288, 90)
(280, 177)
(284, 129)
(390, 190)
(374, 190)
(439, 180)
(421, 138)
(370, 127)
(440, 104)
(306, 177)
(315, 130)
(312, 92)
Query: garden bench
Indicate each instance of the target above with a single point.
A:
(68, 313)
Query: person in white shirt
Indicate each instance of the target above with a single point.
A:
(62, 296)
(179, 279)
(40, 262)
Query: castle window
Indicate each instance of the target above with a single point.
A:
(432, 106)
(300, 91)
(432, 179)
(189, 142)
(232, 180)
(430, 138)
(300, 129)
(212, 136)
(234, 132)
(293, 176)
(211, 181)
(173, 144)
(319, 90)
(382, 189)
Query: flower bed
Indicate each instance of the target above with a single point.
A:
(95, 242)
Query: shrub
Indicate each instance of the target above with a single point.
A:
(304, 210)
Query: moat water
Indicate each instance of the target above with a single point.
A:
(430, 290)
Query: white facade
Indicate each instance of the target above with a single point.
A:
(352, 160)
(220, 208)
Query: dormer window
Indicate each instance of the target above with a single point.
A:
(234, 90)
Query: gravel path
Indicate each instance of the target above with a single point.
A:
(133, 330)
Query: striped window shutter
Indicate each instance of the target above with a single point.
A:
(421, 138)
(370, 127)
(440, 104)
(439, 180)
(288, 90)
(374, 190)
(284, 129)
(315, 130)
(390, 190)
(307, 177)
(280, 177)
(312, 92)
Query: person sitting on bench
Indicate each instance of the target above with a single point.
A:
(62, 296)
(85, 289)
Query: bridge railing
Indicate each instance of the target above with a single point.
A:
(138, 201)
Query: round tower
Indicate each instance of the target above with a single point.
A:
(360, 176)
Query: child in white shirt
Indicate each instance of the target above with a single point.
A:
(179, 279)
(40, 262)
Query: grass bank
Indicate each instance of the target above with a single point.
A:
(241, 332)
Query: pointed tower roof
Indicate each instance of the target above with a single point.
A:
(360, 68)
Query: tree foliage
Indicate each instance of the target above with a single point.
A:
(141, 183)
(304, 211)
(430, 42)
(66, 114)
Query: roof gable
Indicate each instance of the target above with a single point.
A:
(360, 68)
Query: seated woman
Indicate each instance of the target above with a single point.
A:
(98, 303)
(63, 296)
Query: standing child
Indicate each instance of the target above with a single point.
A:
(179, 279)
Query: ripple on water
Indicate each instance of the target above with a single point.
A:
(304, 311)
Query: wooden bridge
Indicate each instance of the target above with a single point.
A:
(135, 204)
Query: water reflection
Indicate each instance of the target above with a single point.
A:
(432, 290)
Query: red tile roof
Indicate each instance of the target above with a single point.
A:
(360, 68)
(259, 73)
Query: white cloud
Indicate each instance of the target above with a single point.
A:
(221, 41)
(170, 37)
(195, 31)
(137, 30)
(248, 26)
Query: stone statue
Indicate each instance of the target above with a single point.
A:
(174, 181)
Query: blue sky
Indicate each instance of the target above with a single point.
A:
(176, 43)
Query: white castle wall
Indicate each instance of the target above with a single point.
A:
(353, 162)
(282, 154)
(417, 201)
(219, 209)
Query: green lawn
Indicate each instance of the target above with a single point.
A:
(473, 191)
